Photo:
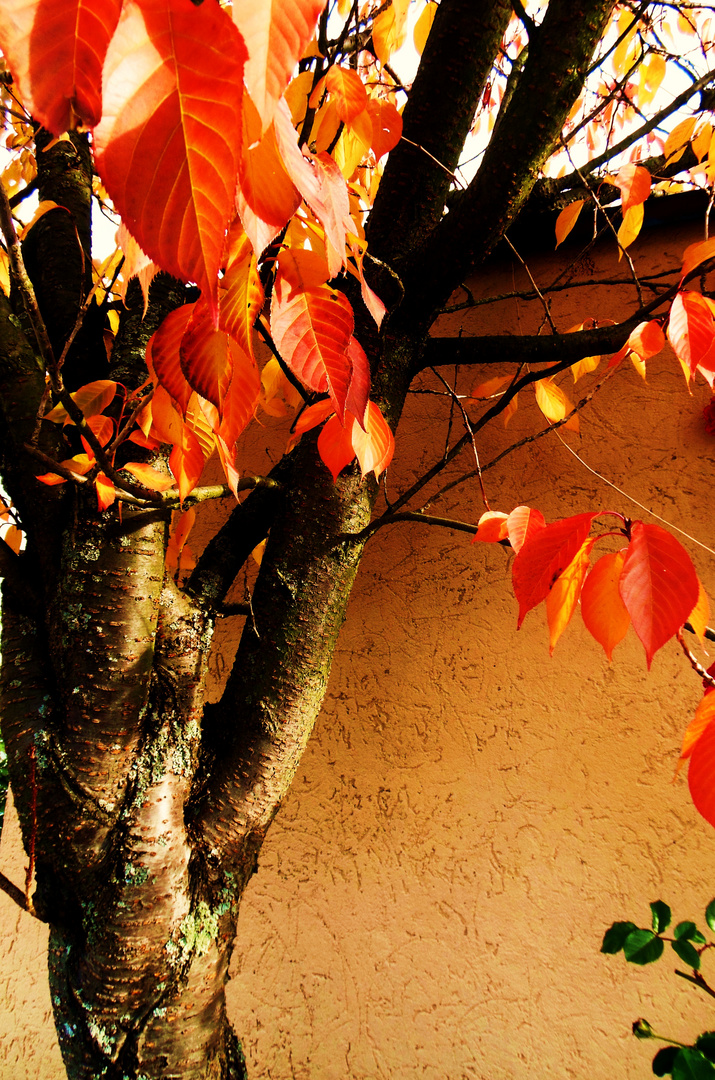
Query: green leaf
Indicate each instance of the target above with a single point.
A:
(661, 916)
(663, 1060)
(615, 937)
(710, 914)
(642, 947)
(690, 1064)
(687, 953)
(688, 931)
(705, 1043)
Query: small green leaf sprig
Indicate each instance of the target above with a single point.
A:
(642, 946)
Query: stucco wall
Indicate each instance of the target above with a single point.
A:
(471, 814)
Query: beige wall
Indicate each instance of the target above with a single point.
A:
(471, 814)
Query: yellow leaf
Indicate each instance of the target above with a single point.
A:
(296, 95)
(700, 614)
(563, 597)
(13, 538)
(389, 30)
(630, 227)
(554, 403)
(700, 144)
(678, 139)
(567, 219)
(423, 27)
(585, 366)
(510, 409)
(638, 363)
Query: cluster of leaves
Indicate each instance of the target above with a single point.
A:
(646, 945)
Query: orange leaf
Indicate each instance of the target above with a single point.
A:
(136, 263)
(163, 356)
(492, 527)
(375, 445)
(347, 88)
(56, 53)
(335, 444)
(148, 476)
(704, 714)
(310, 418)
(302, 269)
(359, 390)
(678, 139)
(567, 219)
(698, 253)
(544, 557)
(702, 773)
(658, 585)
(522, 524)
(266, 196)
(691, 329)
(92, 399)
(102, 427)
(563, 597)
(423, 27)
(312, 330)
(168, 145)
(276, 33)
(105, 491)
(630, 226)
(241, 293)
(646, 340)
(386, 125)
(604, 613)
(13, 538)
(241, 397)
(389, 29)
(634, 183)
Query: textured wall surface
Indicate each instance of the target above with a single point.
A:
(471, 814)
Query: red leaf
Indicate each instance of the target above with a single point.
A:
(522, 524)
(544, 557)
(658, 585)
(56, 52)
(167, 146)
(204, 356)
(604, 613)
(312, 331)
(701, 774)
(276, 33)
(386, 126)
(163, 352)
(691, 330)
(359, 389)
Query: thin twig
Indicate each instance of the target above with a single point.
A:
(456, 400)
(693, 661)
(547, 310)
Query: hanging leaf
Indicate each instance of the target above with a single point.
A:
(483, 390)
(266, 197)
(634, 183)
(92, 399)
(630, 227)
(544, 558)
(702, 771)
(56, 53)
(389, 30)
(375, 445)
(276, 33)
(678, 140)
(646, 340)
(563, 597)
(149, 476)
(359, 390)
(554, 403)
(168, 143)
(204, 356)
(312, 330)
(105, 491)
(704, 716)
(423, 26)
(335, 445)
(492, 527)
(386, 123)
(700, 615)
(240, 291)
(567, 219)
(522, 524)
(658, 585)
(163, 356)
(602, 608)
(349, 92)
(691, 329)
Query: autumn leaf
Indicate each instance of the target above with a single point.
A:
(347, 88)
(92, 399)
(423, 26)
(634, 183)
(704, 715)
(389, 30)
(167, 147)
(695, 254)
(700, 615)
(522, 524)
(149, 476)
(646, 340)
(691, 329)
(658, 585)
(491, 527)
(106, 493)
(56, 53)
(702, 768)
(276, 33)
(163, 356)
(241, 294)
(204, 356)
(678, 140)
(554, 403)
(335, 445)
(544, 557)
(484, 390)
(563, 597)
(630, 227)
(386, 125)
(358, 393)
(602, 608)
(312, 330)
(567, 219)
(375, 445)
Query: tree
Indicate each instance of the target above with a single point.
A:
(142, 810)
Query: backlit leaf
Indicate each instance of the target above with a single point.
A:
(389, 29)
(630, 226)
(149, 476)
(276, 33)
(658, 585)
(386, 123)
(544, 557)
(554, 403)
(522, 524)
(695, 254)
(678, 139)
(492, 527)
(266, 197)
(423, 26)
(483, 390)
(335, 445)
(204, 356)
(312, 330)
(647, 340)
(704, 716)
(359, 390)
(563, 597)
(240, 291)
(691, 329)
(167, 147)
(241, 397)
(56, 52)
(602, 608)
(92, 399)
(347, 88)
(634, 183)
(163, 356)
(700, 615)
(106, 493)
(375, 445)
